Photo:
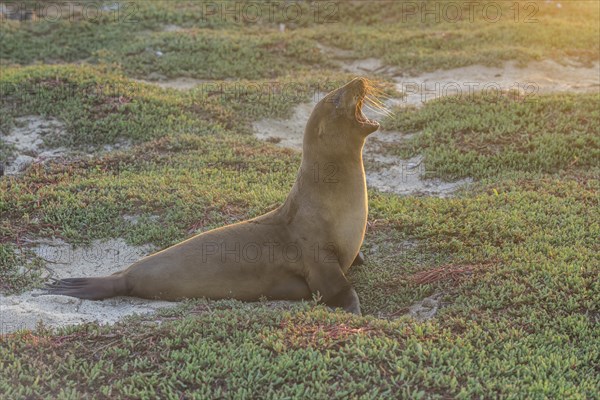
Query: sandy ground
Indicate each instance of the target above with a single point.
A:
(427, 308)
(182, 83)
(29, 138)
(539, 77)
(287, 132)
(63, 261)
(172, 28)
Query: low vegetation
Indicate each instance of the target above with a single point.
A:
(514, 258)
(242, 40)
(487, 134)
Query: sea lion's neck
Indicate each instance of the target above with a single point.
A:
(329, 167)
(337, 182)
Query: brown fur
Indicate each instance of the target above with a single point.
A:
(306, 245)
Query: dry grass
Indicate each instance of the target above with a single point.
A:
(449, 272)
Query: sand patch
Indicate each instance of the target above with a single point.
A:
(24, 311)
(347, 61)
(182, 83)
(172, 28)
(538, 77)
(427, 308)
(285, 132)
(388, 173)
(408, 177)
(30, 139)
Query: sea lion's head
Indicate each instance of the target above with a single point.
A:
(338, 122)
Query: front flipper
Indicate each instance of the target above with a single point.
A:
(346, 299)
(326, 278)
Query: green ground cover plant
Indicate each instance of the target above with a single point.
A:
(487, 134)
(514, 256)
(207, 40)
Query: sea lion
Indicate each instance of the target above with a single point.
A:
(302, 248)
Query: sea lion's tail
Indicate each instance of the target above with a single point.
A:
(89, 288)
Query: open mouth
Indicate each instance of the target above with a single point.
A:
(367, 94)
(360, 116)
(358, 113)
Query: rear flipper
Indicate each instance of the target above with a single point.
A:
(89, 288)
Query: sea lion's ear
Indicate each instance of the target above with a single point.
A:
(322, 130)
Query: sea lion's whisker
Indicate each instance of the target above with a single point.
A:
(374, 97)
(377, 107)
(382, 112)
(375, 103)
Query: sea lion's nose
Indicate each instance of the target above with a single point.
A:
(350, 94)
(353, 91)
(359, 84)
